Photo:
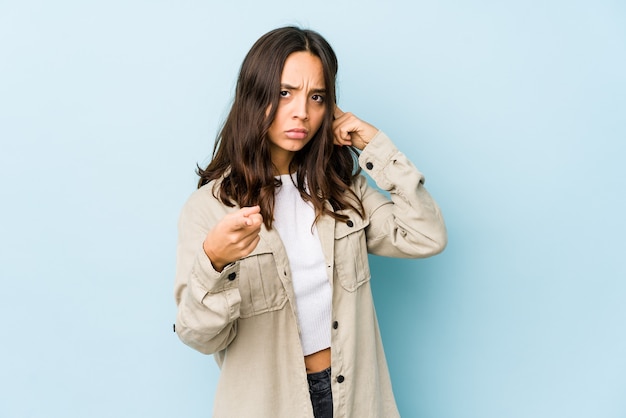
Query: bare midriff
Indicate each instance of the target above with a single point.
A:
(317, 362)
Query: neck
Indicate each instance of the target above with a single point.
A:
(281, 163)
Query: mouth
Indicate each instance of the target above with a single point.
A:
(297, 133)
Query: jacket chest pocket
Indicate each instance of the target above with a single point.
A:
(260, 286)
(351, 262)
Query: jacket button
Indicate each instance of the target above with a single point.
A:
(340, 378)
(232, 276)
(369, 165)
(335, 324)
(349, 223)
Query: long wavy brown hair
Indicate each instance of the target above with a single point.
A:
(241, 157)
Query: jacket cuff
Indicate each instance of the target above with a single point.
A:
(211, 280)
(376, 156)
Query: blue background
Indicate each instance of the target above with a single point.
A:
(514, 110)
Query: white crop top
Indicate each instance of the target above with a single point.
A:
(293, 218)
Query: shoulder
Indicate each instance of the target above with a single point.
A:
(206, 194)
(359, 184)
(204, 203)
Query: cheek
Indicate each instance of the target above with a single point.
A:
(279, 116)
(319, 118)
(276, 124)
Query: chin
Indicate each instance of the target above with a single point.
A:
(295, 147)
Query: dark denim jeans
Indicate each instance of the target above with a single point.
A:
(321, 394)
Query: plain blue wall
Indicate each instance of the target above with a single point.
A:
(514, 110)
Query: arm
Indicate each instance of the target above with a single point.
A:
(208, 299)
(410, 224)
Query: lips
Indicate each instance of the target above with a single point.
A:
(296, 133)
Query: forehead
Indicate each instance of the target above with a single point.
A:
(301, 67)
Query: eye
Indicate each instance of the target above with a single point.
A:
(284, 93)
(318, 98)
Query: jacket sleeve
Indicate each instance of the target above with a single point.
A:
(208, 301)
(410, 225)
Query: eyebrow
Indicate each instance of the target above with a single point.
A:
(290, 87)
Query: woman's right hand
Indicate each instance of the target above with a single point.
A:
(234, 237)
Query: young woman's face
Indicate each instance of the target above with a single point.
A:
(300, 109)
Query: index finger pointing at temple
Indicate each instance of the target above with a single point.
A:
(338, 112)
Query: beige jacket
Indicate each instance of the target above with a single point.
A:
(246, 314)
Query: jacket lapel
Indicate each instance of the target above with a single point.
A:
(326, 231)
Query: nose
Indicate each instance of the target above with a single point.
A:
(300, 108)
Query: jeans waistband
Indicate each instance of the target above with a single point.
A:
(317, 376)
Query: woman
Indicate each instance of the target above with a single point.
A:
(272, 271)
